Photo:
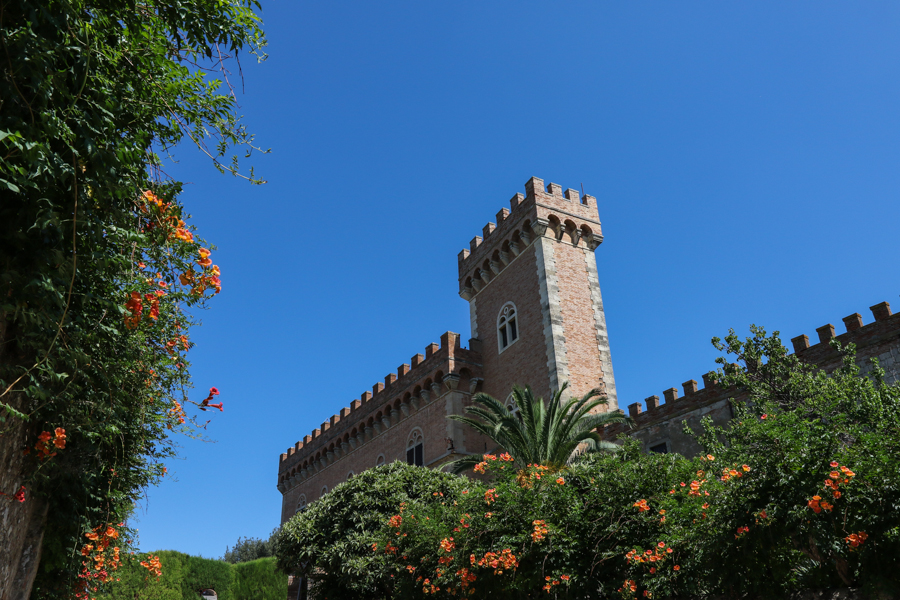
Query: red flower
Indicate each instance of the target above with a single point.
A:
(219, 406)
(764, 416)
(20, 495)
(214, 391)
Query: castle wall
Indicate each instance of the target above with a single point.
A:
(378, 426)
(664, 423)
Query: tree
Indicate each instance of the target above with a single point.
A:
(542, 433)
(247, 549)
(99, 273)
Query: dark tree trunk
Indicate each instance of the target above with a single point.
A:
(21, 523)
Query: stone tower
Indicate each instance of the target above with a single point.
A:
(534, 296)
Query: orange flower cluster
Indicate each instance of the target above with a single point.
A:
(835, 479)
(152, 564)
(164, 220)
(395, 521)
(447, 545)
(649, 556)
(56, 439)
(540, 530)
(18, 496)
(551, 582)
(466, 578)
(641, 505)
(100, 559)
(741, 531)
(560, 481)
(505, 560)
(491, 458)
(730, 473)
(208, 278)
(490, 496)
(855, 540)
(818, 505)
(429, 588)
(176, 412)
(630, 584)
(695, 486)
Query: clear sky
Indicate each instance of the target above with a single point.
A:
(744, 156)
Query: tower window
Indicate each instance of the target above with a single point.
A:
(512, 407)
(659, 448)
(507, 326)
(301, 504)
(415, 449)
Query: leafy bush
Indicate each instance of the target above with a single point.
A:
(799, 492)
(206, 573)
(330, 542)
(258, 580)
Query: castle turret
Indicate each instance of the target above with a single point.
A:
(534, 295)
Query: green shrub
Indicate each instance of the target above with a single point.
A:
(206, 573)
(800, 491)
(258, 580)
(331, 541)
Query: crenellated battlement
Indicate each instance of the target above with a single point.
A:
(541, 211)
(878, 339)
(425, 378)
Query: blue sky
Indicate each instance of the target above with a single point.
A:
(744, 157)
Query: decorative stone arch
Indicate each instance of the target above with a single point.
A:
(508, 326)
(301, 504)
(415, 447)
(379, 460)
(571, 231)
(324, 491)
(555, 225)
(350, 475)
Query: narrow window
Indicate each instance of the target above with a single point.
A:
(512, 407)
(507, 326)
(659, 448)
(415, 449)
(301, 504)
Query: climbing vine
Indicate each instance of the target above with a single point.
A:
(101, 270)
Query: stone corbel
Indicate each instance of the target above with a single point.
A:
(426, 396)
(595, 240)
(576, 237)
(514, 248)
(467, 293)
(496, 267)
(436, 389)
(377, 427)
(353, 442)
(473, 384)
(451, 380)
(404, 408)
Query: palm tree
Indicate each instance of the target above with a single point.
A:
(544, 433)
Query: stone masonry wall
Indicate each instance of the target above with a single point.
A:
(539, 256)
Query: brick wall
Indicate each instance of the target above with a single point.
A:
(663, 422)
(418, 397)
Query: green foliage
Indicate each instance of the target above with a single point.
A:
(184, 576)
(543, 433)
(770, 508)
(330, 542)
(134, 583)
(259, 580)
(206, 573)
(89, 91)
(247, 549)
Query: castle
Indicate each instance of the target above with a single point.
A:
(536, 317)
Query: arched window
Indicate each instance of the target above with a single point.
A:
(301, 504)
(380, 460)
(507, 326)
(415, 448)
(350, 475)
(512, 407)
(324, 491)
